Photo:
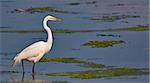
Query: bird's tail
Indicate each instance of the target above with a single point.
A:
(15, 61)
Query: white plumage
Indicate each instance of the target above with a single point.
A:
(31, 53)
(35, 51)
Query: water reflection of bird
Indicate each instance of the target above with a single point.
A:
(16, 79)
(36, 51)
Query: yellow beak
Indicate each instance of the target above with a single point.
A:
(55, 19)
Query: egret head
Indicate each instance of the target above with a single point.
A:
(49, 17)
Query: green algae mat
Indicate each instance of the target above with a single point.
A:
(102, 44)
(100, 70)
(141, 28)
(103, 73)
(75, 61)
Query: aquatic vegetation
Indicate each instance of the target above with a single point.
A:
(138, 28)
(49, 9)
(64, 60)
(73, 31)
(39, 10)
(21, 31)
(103, 73)
(92, 65)
(102, 44)
(42, 10)
(114, 18)
(106, 18)
(75, 61)
(41, 31)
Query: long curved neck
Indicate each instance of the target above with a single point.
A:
(50, 38)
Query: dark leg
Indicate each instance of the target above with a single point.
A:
(22, 66)
(22, 76)
(33, 76)
(33, 68)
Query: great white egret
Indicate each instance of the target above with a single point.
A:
(35, 51)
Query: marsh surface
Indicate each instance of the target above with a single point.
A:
(77, 15)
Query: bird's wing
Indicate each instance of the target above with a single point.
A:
(35, 59)
(34, 46)
(33, 50)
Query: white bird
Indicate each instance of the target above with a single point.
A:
(36, 51)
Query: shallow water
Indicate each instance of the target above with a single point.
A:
(75, 21)
(134, 53)
(129, 54)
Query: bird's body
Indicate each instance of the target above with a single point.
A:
(35, 51)
(32, 53)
